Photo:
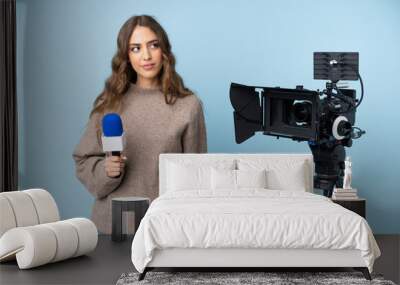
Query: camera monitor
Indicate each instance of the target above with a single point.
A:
(336, 66)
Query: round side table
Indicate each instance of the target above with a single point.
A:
(139, 205)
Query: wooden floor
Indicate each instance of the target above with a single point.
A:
(110, 260)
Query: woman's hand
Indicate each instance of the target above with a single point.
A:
(114, 165)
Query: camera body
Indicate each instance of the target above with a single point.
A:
(325, 119)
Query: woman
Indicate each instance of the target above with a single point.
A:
(159, 115)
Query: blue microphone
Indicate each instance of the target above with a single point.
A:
(113, 134)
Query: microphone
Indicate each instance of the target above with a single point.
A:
(112, 138)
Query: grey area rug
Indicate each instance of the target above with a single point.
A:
(233, 278)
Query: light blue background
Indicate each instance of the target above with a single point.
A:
(64, 51)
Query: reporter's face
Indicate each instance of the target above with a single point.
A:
(145, 53)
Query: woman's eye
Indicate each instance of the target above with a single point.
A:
(134, 49)
(154, 45)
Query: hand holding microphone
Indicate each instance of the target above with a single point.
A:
(112, 141)
(114, 165)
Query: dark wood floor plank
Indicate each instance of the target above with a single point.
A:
(111, 259)
(389, 262)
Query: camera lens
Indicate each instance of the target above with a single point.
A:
(344, 128)
(302, 112)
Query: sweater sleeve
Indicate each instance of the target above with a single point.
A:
(195, 137)
(89, 163)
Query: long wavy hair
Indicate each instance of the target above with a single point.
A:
(116, 85)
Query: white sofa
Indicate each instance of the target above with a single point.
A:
(31, 231)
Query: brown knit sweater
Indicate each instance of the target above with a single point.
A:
(151, 127)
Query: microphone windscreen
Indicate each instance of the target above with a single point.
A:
(112, 125)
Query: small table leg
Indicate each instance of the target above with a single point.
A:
(140, 211)
(116, 222)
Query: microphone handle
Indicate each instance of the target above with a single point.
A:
(115, 153)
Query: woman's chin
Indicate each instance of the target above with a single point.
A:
(149, 75)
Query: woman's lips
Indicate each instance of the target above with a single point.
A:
(148, 66)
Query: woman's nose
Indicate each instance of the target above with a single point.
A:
(146, 54)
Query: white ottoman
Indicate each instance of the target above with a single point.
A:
(31, 232)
